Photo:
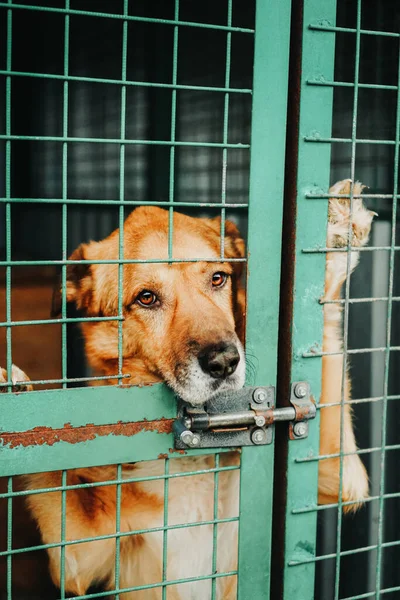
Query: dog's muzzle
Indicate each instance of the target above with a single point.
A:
(219, 360)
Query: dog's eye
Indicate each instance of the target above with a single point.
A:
(146, 298)
(219, 278)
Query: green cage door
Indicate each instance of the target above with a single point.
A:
(71, 428)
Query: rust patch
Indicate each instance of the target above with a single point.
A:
(267, 414)
(304, 410)
(38, 436)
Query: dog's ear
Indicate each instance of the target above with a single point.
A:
(79, 288)
(235, 248)
(234, 243)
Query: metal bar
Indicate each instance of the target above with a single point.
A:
(8, 195)
(121, 214)
(126, 202)
(379, 558)
(151, 586)
(327, 27)
(64, 215)
(361, 300)
(126, 480)
(351, 351)
(319, 507)
(145, 84)
(347, 552)
(317, 194)
(117, 532)
(359, 401)
(62, 533)
(57, 321)
(246, 417)
(225, 129)
(215, 529)
(125, 261)
(313, 162)
(137, 142)
(120, 534)
(338, 454)
(352, 248)
(127, 18)
(9, 537)
(64, 251)
(171, 190)
(165, 529)
(316, 138)
(350, 84)
(265, 210)
(346, 305)
(65, 380)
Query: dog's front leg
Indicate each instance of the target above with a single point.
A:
(354, 476)
(83, 563)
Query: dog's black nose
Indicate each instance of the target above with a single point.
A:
(219, 360)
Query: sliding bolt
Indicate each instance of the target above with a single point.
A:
(259, 421)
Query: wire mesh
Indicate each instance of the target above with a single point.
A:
(108, 130)
(124, 484)
(356, 554)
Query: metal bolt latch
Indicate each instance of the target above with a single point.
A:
(243, 417)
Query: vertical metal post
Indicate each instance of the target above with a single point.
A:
(264, 244)
(313, 170)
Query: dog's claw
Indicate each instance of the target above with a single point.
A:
(18, 379)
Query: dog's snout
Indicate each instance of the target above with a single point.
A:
(219, 360)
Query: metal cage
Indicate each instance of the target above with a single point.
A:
(247, 110)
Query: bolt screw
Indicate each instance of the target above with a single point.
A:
(186, 437)
(260, 396)
(300, 429)
(190, 439)
(259, 421)
(258, 436)
(300, 390)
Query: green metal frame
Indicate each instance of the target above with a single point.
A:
(313, 176)
(315, 140)
(58, 429)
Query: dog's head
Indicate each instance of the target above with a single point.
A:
(182, 321)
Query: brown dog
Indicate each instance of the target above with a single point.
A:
(183, 325)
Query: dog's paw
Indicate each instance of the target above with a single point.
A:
(19, 380)
(355, 483)
(338, 267)
(339, 216)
